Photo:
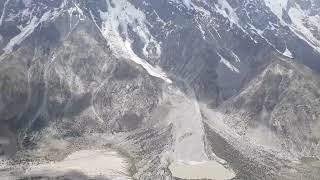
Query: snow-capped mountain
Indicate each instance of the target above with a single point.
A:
(164, 82)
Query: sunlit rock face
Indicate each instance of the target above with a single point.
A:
(161, 82)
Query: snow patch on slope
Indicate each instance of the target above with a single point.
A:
(80, 12)
(236, 57)
(30, 27)
(228, 64)
(3, 11)
(302, 23)
(227, 11)
(122, 14)
(287, 53)
(186, 3)
(277, 7)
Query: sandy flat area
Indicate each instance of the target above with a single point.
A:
(202, 170)
(92, 163)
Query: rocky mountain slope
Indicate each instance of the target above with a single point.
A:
(162, 81)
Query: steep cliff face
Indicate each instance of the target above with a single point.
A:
(162, 81)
